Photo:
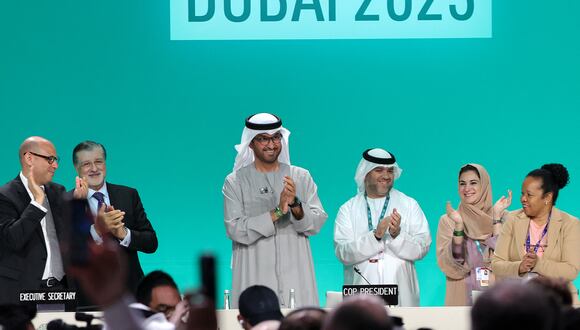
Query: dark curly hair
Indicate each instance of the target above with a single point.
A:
(554, 177)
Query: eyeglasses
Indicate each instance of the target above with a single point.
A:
(98, 163)
(262, 139)
(49, 159)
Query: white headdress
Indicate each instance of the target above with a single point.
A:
(373, 158)
(261, 123)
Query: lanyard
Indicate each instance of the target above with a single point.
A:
(479, 248)
(369, 216)
(544, 232)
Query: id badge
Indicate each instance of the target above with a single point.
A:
(482, 275)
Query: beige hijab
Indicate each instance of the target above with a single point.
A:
(477, 217)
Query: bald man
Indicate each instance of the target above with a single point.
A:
(30, 223)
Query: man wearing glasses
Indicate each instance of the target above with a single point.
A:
(31, 221)
(119, 207)
(270, 210)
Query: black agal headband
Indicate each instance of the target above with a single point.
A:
(263, 127)
(376, 160)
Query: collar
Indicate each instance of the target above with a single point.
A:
(103, 190)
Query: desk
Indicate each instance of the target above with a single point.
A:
(439, 318)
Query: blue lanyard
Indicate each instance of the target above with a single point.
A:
(478, 245)
(544, 232)
(369, 216)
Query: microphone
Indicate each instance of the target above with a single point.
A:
(361, 275)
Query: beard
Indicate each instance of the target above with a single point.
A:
(380, 189)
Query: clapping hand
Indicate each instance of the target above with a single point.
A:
(81, 188)
(287, 195)
(528, 262)
(501, 205)
(395, 224)
(455, 216)
(110, 220)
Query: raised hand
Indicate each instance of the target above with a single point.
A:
(454, 215)
(103, 280)
(34, 187)
(501, 205)
(81, 188)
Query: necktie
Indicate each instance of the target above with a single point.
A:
(55, 257)
(100, 197)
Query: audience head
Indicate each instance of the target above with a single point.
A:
(89, 160)
(515, 305)
(158, 291)
(359, 312)
(541, 188)
(16, 317)
(306, 318)
(39, 155)
(258, 303)
(557, 287)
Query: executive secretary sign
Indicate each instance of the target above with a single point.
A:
(329, 19)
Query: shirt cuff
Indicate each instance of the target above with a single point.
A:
(127, 240)
(98, 239)
(35, 203)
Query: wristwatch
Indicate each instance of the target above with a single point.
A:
(296, 203)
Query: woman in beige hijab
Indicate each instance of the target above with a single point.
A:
(466, 237)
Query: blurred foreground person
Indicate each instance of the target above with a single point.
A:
(259, 308)
(357, 313)
(515, 305)
(305, 318)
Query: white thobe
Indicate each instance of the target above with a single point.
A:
(355, 244)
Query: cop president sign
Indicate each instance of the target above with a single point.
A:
(329, 19)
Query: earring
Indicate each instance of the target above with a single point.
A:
(546, 203)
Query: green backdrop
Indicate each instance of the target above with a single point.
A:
(170, 112)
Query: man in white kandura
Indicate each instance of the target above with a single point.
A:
(270, 210)
(381, 232)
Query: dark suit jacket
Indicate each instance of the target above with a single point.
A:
(143, 237)
(22, 248)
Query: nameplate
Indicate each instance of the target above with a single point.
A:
(388, 292)
(61, 299)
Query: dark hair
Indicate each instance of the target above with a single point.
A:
(554, 177)
(306, 318)
(87, 145)
(515, 305)
(468, 168)
(557, 287)
(353, 317)
(149, 282)
(16, 317)
(259, 303)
